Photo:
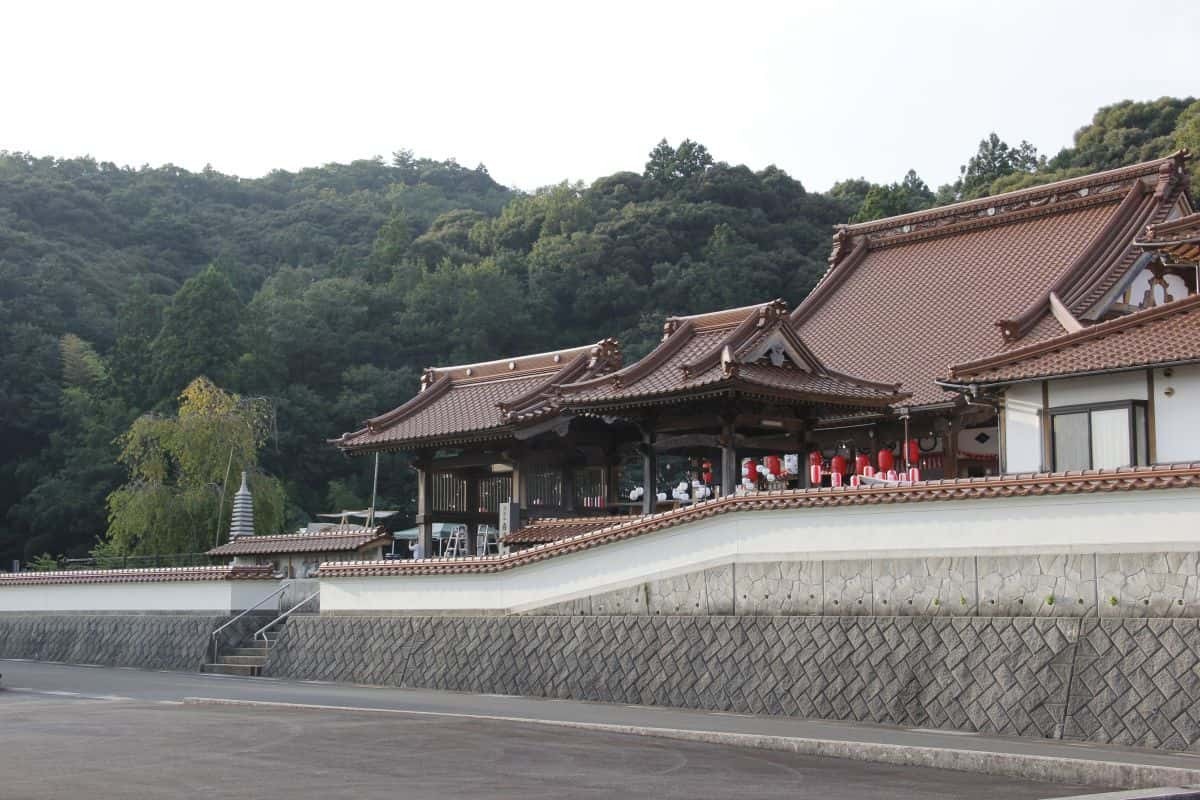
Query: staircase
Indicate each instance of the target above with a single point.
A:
(249, 657)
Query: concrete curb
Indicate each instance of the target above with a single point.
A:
(1050, 769)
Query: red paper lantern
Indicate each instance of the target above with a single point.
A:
(814, 475)
(835, 480)
(751, 468)
(815, 459)
(774, 465)
(914, 474)
(886, 460)
(706, 474)
(914, 452)
(837, 465)
(861, 462)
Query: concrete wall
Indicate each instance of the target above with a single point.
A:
(1163, 584)
(937, 532)
(204, 596)
(1109, 680)
(1175, 415)
(1097, 389)
(1023, 428)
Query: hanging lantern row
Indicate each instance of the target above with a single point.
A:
(839, 470)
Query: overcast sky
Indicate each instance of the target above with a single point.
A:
(542, 92)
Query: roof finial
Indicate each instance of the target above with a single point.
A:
(242, 523)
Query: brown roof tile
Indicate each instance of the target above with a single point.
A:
(1166, 334)
(552, 530)
(1172, 476)
(328, 540)
(909, 295)
(721, 351)
(1179, 238)
(478, 401)
(151, 575)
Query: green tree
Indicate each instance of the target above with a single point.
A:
(993, 160)
(174, 498)
(911, 194)
(670, 166)
(198, 335)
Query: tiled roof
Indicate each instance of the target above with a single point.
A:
(1174, 476)
(1180, 238)
(332, 539)
(551, 530)
(477, 401)
(721, 351)
(151, 575)
(907, 296)
(1166, 334)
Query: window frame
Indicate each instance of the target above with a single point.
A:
(1088, 408)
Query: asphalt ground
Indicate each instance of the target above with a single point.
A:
(68, 732)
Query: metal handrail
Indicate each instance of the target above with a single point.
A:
(217, 632)
(262, 631)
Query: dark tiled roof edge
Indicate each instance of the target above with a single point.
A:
(964, 372)
(315, 542)
(150, 575)
(1174, 476)
(1175, 160)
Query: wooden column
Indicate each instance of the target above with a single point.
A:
(425, 510)
(729, 463)
(950, 451)
(649, 472)
(472, 479)
(568, 489)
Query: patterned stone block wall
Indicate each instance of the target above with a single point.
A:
(981, 674)
(151, 641)
(1137, 682)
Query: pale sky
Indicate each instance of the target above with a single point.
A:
(542, 92)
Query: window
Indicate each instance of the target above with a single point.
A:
(1102, 436)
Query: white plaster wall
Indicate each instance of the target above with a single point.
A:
(1142, 521)
(1023, 427)
(207, 596)
(1098, 389)
(1176, 422)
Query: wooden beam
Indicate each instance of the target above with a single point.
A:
(467, 460)
(687, 441)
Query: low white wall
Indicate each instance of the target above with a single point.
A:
(218, 597)
(1137, 521)
(1177, 434)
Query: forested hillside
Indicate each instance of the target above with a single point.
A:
(321, 294)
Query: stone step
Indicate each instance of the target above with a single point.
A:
(249, 661)
(249, 651)
(244, 670)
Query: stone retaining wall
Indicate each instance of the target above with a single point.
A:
(1130, 681)
(1154, 584)
(150, 641)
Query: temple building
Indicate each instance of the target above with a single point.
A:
(1051, 328)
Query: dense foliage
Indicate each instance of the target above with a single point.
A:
(319, 295)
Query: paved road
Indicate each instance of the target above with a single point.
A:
(114, 733)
